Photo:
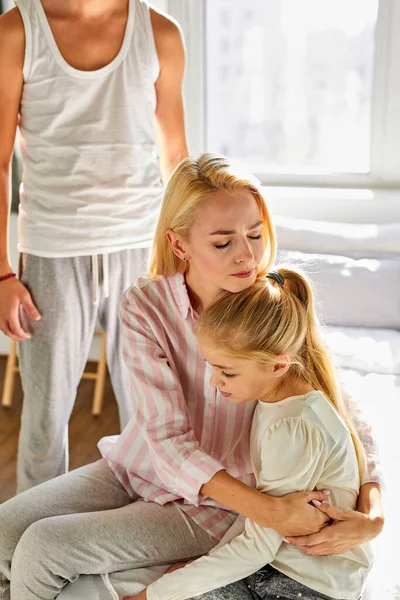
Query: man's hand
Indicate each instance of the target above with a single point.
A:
(348, 529)
(293, 514)
(15, 296)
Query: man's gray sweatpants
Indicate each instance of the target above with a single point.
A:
(70, 294)
(84, 522)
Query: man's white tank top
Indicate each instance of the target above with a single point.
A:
(91, 180)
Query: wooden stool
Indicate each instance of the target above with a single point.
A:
(99, 376)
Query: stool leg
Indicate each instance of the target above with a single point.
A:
(9, 378)
(100, 379)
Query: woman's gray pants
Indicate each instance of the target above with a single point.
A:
(84, 522)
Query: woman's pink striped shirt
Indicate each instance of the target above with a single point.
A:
(182, 430)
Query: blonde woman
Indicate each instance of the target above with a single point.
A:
(186, 451)
(264, 343)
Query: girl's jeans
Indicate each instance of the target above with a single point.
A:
(266, 584)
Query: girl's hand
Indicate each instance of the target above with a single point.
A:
(349, 528)
(177, 566)
(141, 596)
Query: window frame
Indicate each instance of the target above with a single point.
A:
(385, 112)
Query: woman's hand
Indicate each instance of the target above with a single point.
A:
(293, 514)
(348, 529)
(290, 514)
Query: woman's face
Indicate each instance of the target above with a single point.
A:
(226, 245)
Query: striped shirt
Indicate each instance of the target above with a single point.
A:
(183, 430)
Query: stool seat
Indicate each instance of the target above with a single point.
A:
(99, 376)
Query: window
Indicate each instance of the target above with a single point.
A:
(304, 92)
(302, 99)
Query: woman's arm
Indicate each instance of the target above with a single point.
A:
(370, 502)
(292, 512)
(160, 408)
(365, 433)
(349, 528)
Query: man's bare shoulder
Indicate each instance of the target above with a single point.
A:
(169, 41)
(164, 26)
(12, 38)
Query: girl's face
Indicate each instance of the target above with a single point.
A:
(225, 245)
(244, 380)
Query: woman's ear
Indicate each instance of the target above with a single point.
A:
(282, 366)
(177, 244)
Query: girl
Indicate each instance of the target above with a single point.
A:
(186, 451)
(264, 343)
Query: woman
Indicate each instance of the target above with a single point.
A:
(265, 343)
(186, 451)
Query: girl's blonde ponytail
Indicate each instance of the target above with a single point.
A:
(315, 364)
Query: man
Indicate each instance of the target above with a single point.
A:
(84, 80)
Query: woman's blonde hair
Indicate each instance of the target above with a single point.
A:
(194, 180)
(272, 318)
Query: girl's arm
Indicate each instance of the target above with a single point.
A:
(293, 458)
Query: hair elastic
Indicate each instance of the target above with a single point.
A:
(277, 277)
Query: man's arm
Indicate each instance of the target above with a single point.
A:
(12, 50)
(12, 47)
(170, 119)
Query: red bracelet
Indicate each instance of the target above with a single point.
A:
(8, 276)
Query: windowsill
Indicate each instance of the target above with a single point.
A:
(335, 204)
